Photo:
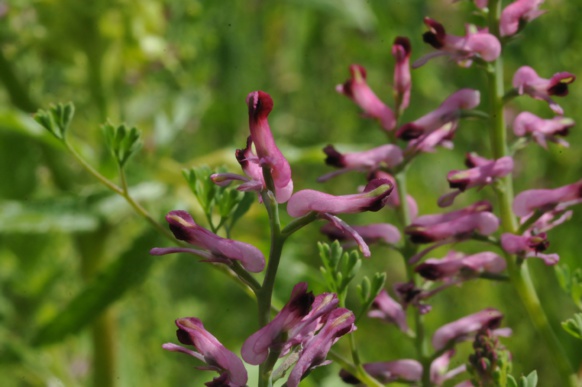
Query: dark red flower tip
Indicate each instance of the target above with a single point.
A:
(429, 271)
(379, 201)
(356, 68)
(409, 131)
(240, 154)
(334, 158)
(403, 42)
(260, 105)
(436, 34)
(184, 337)
(460, 184)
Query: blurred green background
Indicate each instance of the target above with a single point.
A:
(180, 71)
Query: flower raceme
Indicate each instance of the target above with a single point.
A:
(518, 14)
(208, 349)
(454, 225)
(462, 49)
(542, 130)
(216, 249)
(358, 90)
(449, 111)
(527, 81)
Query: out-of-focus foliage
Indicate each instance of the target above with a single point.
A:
(179, 71)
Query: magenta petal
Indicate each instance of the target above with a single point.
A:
(389, 371)
(401, 50)
(547, 199)
(527, 81)
(542, 130)
(372, 199)
(386, 308)
(460, 329)
(518, 13)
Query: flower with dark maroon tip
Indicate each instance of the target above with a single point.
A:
(542, 130)
(442, 136)
(401, 51)
(371, 233)
(303, 309)
(260, 105)
(215, 248)
(454, 225)
(462, 328)
(517, 14)
(546, 200)
(478, 176)
(358, 90)
(531, 246)
(387, 156)
(387, 309)
(208, 349)
(337, 323)
(372, 199)
(527, 81)
(456, 264)
(462, 49)
(449, 111)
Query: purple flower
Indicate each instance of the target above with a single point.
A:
(302, 311)
(337, 323)
(449, 111)
(483, 173)
(456, 225)
(527, 81)
(461, 329)
(394, 199)
(517, 14)
(462, 49)
(208, 349)
(385, 372)
(401, 51)
(542, 130)
(529, 246)
(358, 90)
(372, 199)
(410, 294)
(546, 200)
(260, 105)
(385, 155)
(386, 308)
(371, 233)
(456, 264)
(442, 136)
(216, 249)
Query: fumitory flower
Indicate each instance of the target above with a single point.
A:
(191, 331)
(461, 329)
(371, 233)
(216, 249)
(529, 246)
(358, 90)
(401, 51)
(336, 324)
(545, 200)
(449, 111)
(542, 130)
(442, 136)
(518, 14)
(458, 224)
(386, 308)
(462, 49)
(527, 81)
(385, 155)
(482, 172)
(456, 264)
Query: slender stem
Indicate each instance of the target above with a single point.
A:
(519, 274)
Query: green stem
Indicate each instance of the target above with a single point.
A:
(519, 274)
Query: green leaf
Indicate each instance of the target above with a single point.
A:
(121, 141)
(56, 119)
(574, 326)
(564, 277)
(511, 382)
(202, 187)
(126, 272)
(243, 206)
(531, 380)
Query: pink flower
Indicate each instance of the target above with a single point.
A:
(456, 264)
(210, 351)
(442, 136)
(386, 308)
(385, 155)
(260, 105)
(527, 81)
(401, 51)
(216, 249)
(449, 111)
(371, 233)
(542, 130)
(337, 323)
(545, 200)
(394, 199)
(372, 199)
(358, 90)
(529, 247)
(456, 225)
(479, 175)
(462, 49)
(517, 14)
(461, 329)
(302, 311)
